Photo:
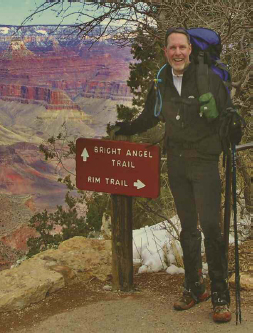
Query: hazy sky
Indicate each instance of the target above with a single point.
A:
(13, 12)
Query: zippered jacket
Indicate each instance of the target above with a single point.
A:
(185, 127)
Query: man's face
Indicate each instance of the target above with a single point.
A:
(177, 52)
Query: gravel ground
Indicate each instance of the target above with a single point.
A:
(89, 308)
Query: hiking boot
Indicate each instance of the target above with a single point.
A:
(188, 300)
(221, 312)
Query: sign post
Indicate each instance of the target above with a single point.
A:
(122, 242)
(124, 169)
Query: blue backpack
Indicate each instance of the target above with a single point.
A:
(206, 50)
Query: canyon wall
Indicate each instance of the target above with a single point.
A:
(101, 71)
(49, 77)
(51, 98)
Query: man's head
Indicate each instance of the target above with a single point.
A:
(177, 49)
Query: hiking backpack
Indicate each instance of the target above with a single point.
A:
(206, 50)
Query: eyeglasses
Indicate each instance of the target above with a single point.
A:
(177, 30)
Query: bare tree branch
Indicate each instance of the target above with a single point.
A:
(243, 78)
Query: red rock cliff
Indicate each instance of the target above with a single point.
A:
(53, 99)
(75, 71)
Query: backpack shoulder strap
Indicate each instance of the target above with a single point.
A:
(202, 75)
(159, 102)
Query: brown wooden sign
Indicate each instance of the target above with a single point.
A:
(118, 167)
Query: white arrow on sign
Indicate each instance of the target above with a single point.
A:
(139, 184)
(85, 155)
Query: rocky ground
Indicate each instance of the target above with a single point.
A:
(88, 307)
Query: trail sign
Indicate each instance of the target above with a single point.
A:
(118, 167)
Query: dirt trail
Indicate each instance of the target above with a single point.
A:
(88, 308)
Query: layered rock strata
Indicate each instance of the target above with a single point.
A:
(52, 99)
(100, 71)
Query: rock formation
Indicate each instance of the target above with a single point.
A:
(15, 212)
(107, 89)
(246, 281)
(76, 259)
(8, 256)
(52, 99)
(64, 63)
(46, 80)
(22, 170)
(16, 50)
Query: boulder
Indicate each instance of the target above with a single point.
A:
(29, 283)
(246, 281)
(86, 257)
(76, 259)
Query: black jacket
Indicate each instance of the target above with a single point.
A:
(185, 128)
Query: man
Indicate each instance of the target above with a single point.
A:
(193, 148)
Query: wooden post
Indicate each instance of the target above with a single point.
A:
(122, 248)
(122, 239)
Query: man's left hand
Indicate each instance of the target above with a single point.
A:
(231, 124)
(235, 129)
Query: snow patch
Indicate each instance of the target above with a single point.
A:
(43, 32)
(4, 30)
(157, 247)
(175, 270)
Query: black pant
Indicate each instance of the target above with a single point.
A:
(196, 188)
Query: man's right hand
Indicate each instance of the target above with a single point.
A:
(121, 128)
(118, 129)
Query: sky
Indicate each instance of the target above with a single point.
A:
(14, 12)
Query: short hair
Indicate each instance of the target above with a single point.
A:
(179, 31)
